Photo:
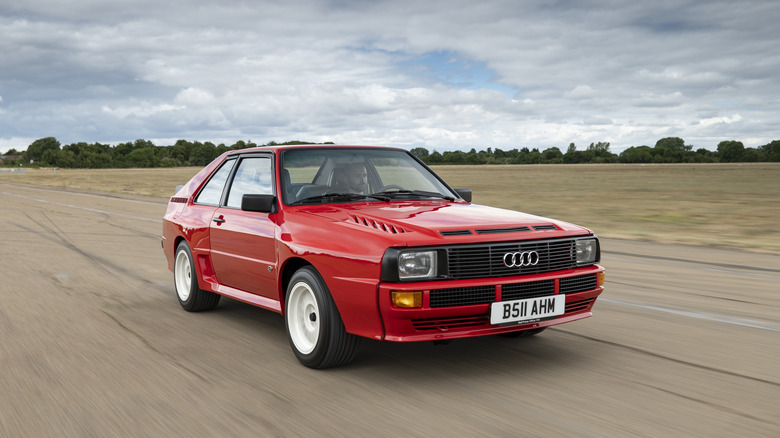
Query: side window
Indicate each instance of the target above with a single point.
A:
(253, 176)
(212, 191)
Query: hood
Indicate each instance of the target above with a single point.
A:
(438, 222)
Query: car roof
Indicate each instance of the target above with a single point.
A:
(276, 148)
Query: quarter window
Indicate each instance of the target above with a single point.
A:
(212, 191)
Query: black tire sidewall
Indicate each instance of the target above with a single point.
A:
(190, 301)
(325, 306)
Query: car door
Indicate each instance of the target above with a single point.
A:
(243, 250)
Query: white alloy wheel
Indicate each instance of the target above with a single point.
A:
(303, 318)
(185, 281)
(182, 271)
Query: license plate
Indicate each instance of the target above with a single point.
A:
(503, 312)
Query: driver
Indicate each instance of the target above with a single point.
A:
(354, 178)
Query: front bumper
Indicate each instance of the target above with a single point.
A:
(461, 309)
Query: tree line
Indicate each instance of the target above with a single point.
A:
(666, 150)
(140, 153)
(143, 153)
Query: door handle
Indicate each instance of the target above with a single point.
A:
(218, 220)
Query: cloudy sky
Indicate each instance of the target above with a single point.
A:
(446, 75)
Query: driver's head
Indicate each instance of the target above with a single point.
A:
(356, 177)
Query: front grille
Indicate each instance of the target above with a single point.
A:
(463, 296)
(531, 289)
(580, 305)
(451, 323)
(485, 261)
(577, 284)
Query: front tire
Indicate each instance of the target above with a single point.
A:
(314, 327)
(185, 280)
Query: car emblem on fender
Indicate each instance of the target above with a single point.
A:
(520, 259)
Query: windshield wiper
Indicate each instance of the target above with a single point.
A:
(345, 196)
(423, 193)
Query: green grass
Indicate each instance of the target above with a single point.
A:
(711, 204)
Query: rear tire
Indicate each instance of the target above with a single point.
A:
(314, 327)
(185, 281)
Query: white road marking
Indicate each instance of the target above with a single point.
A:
(89, 195)
(772, 327)
(688, 266)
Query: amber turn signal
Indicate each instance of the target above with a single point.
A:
(407, 300)
(600, 279)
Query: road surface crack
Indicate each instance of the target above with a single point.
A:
(672, 359)
(710, 404)
(149, 345)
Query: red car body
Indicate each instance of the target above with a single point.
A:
(353, 244)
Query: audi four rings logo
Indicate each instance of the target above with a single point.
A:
(520, 259)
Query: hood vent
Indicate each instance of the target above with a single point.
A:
(455, 233)
(381, 226)
(545, 227)
(502, 230)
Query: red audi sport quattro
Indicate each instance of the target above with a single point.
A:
(355, 241)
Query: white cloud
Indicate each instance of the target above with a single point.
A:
(194, 97)
(721, 120)
(581, 92)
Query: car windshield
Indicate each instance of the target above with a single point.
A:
(337, 175)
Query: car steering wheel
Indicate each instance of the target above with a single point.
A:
(392, 186)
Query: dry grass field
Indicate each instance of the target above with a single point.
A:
(734, 205)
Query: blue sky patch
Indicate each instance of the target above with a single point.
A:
(447, 67)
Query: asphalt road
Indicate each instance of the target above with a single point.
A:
(684, 342)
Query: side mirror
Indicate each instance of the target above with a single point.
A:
(464, 193)
(259, 203)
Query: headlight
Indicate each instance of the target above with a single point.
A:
(417, 265)
(587, 251)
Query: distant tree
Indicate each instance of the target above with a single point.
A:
(94, 160)
(672, 143)
(221, 148)
(203, 154)
(670, 150)
(600, 146)
(121, 150)
(731, 151)
(751, 155)
(419, 152)
(771, 151)
(65, 159)
(39, 147)
(434, 158)
(141, 143)
(142, 157)
(599, 153)
(552, 155)
(637, 154)
(454, 157)
(572, 155)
